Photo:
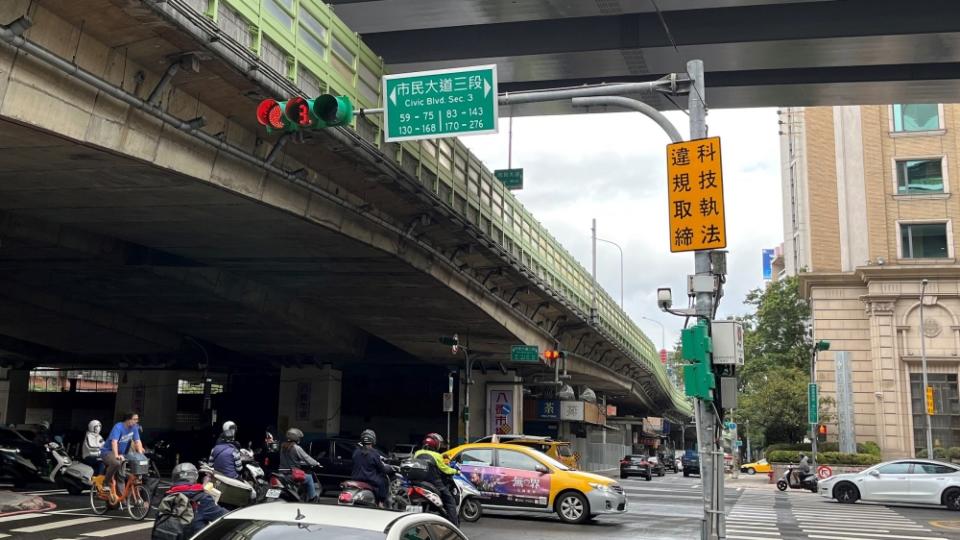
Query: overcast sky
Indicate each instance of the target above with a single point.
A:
(612, 167)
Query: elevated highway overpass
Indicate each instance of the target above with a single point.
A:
(165, 236)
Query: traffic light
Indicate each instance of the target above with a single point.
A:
(698, 379)
(550, 356)
(302, 113)
(822, 433)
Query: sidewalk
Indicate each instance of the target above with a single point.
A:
(15, 503)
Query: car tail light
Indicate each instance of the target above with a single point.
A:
(345, 497)
(274, 481)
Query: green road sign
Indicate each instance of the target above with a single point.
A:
(525, 353)
(813, 404)
(511, 178)
(440, 103)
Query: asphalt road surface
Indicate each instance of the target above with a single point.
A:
(665, 508)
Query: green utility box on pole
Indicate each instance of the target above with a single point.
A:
(698, 379)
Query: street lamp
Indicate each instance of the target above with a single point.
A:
(663, 331)
(923, 362)
(593, 230)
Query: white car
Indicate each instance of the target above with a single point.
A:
(910, 481)
(322, 522)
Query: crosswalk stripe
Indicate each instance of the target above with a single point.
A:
(120, 530)
(59, 524)
(868, 537)
(18, 517)
(864, 532)
(753, 531)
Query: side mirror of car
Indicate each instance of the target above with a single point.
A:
(875, 473)
(542, 469)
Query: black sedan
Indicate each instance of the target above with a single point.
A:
(636, 465)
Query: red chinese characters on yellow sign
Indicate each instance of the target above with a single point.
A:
(695, 187)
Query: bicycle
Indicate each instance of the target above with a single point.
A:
(135, 495)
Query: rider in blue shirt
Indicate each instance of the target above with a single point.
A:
(117, 444)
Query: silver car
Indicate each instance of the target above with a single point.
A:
(910, 481)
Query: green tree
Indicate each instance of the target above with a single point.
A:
(777, 353)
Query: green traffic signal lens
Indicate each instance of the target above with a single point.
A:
(333, 110)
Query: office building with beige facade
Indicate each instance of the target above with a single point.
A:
(871, 200)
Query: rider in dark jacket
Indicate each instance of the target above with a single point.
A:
(225, 456)
(368, 466)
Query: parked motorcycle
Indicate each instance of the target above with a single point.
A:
(249, 489)
(355, 493)
(16, 468)
(425, 495)
(62, 470)
(792, 479)
(290, 485)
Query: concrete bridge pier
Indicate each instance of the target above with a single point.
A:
(151, 394)
(14, 384)
(310, 400)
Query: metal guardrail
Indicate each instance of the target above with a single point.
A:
(306, 42)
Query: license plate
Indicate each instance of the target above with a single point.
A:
(273, 494)
(414, 508)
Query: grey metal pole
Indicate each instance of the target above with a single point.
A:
(593, 305)
(663, 331)
(923, 361)
(749, 454)
(466, 398)
(634, 105)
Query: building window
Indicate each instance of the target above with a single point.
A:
(923, 241)
(946, 401)
(281, 11)
(920, 176)
(916, 117)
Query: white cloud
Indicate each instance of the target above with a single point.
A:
(612, 167)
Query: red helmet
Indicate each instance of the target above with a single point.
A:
(433, 441)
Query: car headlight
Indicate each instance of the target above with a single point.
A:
(600, 487)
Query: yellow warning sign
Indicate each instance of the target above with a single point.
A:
(695, 187)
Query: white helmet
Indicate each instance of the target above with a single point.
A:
(229, 429)
(94, 426)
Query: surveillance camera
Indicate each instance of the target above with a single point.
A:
(664, 298)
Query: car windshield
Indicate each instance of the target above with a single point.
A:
(550, 461)
(564, 450)
(246, 529)
(637, 458)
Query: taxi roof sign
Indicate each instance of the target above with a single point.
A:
(695, 188)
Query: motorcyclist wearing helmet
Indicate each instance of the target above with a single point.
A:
(804, 469)
(293, 456)
(440, 474)
(42, 437)
(368, 466)
(269, 453)
(205, 509)
(225, 456)
(92, 442)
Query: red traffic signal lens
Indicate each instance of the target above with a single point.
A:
(298, 112)
(822, 429)
(551, 355)
(265, 110)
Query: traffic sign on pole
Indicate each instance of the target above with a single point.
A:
(525, 353)
(931, 407)
(511, 178)
(440, 103)
(695, 202)
(813, 404)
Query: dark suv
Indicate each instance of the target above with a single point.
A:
(691, 462)
(336, 456)
(636, 465)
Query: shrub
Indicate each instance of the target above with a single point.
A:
(938, 453)
(953, 452)
(824, 458)
(869, 447)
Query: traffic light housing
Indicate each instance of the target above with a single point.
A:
(550, 356)
(822, 433)
(299, 113)
(698, 379)
(931, 405)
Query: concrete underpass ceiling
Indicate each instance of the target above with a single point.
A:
(76, 301)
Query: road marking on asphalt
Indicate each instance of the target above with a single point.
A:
(59, 524)
(18, 517)
(119, 530)
(949, 525)
(753, 531)
(826, 529)
(870, 537)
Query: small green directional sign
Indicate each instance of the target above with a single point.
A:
(525, 353)
(440, 103)
(813, 404)
(511, 178)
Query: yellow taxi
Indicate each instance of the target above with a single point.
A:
(512, 477)
(558, 450)
(756, 467)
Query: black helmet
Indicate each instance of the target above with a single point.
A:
(294, 434)
(185, 472)
(368, 437)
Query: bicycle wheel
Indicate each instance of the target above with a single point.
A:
(138, 502)
(98, 504)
